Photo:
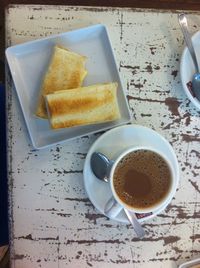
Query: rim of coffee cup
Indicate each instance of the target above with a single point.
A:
(158, 205)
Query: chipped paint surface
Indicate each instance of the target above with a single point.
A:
(52, 222)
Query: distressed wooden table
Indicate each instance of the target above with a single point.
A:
(52, 222)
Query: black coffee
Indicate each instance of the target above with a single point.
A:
(142, 179)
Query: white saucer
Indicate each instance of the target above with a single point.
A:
(187, 69)
(111, 144)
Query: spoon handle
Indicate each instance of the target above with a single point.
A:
(134, 221)
(184, 27)
(112, 209)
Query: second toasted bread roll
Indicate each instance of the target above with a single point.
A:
(66, 70)
(82, 106)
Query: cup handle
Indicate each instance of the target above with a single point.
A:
(112, 208)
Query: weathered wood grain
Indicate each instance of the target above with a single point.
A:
(157, 4)
(52, 222)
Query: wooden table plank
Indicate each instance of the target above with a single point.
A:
(53, 223)
(157, 4)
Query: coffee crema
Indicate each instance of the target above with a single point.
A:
(142, 179)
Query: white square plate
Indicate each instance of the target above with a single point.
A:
(28, 63)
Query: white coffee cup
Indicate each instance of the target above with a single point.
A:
(114, 205)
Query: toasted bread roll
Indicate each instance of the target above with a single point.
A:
(66, 70)
(82, 106)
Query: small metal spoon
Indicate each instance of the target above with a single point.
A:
(101, 166)
(196, 77)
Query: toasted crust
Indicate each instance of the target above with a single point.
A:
(66, 70)
(195, 266)
(82, 106)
